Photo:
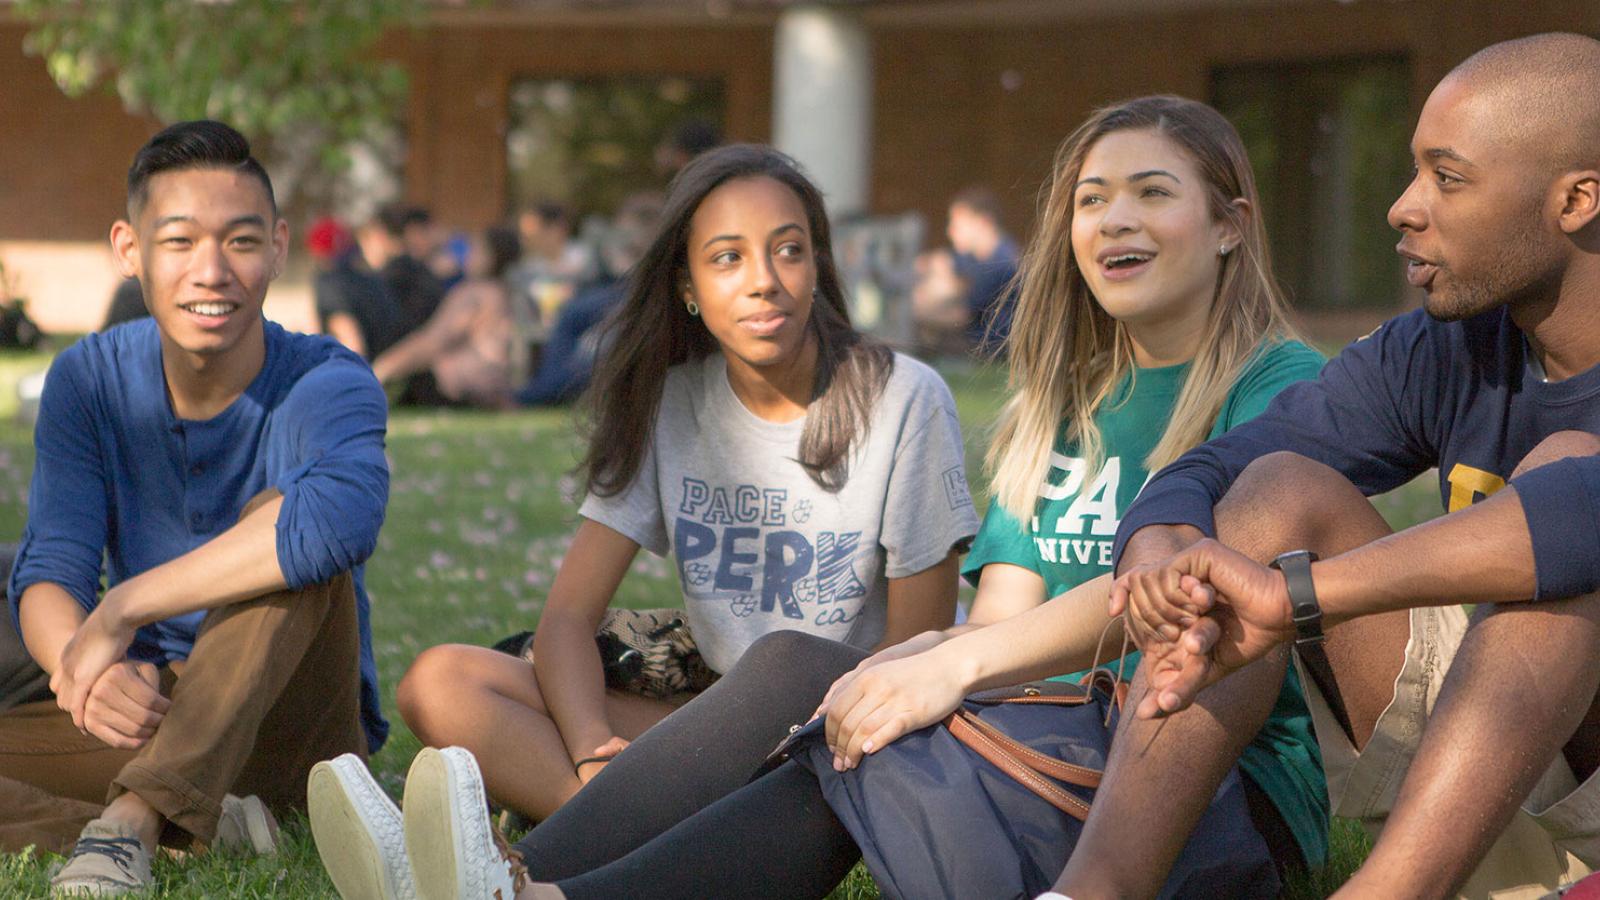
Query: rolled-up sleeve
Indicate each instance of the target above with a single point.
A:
(335, 492)
(1562, 504)
(65, 537)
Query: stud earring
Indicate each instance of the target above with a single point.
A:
(1223, 250)
(692, 307)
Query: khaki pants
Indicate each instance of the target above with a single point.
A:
(1553, 839)
(271, 687)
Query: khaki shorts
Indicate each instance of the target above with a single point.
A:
(1553, 839)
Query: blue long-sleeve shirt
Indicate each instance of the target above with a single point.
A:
(1414, 394)
(119, 477)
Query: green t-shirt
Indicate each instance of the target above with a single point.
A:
(1069, 542)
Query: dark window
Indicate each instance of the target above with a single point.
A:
(591, 142)
(1329, 142)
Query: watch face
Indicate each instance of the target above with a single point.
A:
(1291, 557)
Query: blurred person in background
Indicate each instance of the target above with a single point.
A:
(353, 303)
(405, 262)
(552, 264)
(461, 355)
(574, 341)
(448, 258)
(962, 296)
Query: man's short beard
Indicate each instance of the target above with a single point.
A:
(1464, 301)
(1522, 270)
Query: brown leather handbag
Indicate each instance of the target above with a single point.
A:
(1029, 767)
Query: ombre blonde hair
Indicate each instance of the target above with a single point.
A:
(1067, 354)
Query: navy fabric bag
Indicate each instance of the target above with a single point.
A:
(935, 819)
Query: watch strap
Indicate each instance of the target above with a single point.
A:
(1303, 607)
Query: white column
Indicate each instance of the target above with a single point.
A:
(822, 101)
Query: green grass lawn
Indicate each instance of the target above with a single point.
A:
(480, 513)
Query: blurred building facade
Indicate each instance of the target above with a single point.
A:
(894, 105)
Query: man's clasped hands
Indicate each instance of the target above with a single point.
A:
(1199, 615)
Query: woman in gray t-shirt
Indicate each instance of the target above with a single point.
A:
(802, 476)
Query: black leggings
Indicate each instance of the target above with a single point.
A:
(676, 815)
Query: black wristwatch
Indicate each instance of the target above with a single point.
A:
(1296, 568)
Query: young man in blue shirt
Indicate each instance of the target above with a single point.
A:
(231, 476)
(1496, 382)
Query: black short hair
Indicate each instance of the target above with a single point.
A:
(980, 200)
(553, 212)
(397, 217)
(201, 144)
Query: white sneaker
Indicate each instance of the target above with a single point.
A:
(455, 851)
(358, 832)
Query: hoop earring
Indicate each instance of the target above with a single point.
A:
(692, 307)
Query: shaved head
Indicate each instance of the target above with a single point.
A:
(1538, 93)
(1507, 184)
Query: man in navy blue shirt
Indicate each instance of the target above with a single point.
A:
(231, 476)
(986, 261)
(1496, 382)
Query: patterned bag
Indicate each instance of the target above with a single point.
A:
(649, 652)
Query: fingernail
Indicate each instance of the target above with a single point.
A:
(1170, 632)
(866, 747)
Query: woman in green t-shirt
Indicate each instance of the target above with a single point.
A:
(1158, 329)
(1146, 321)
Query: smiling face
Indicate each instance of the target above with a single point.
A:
(1142, 231)
(752, 270)
(205, 246)
(1474, 233)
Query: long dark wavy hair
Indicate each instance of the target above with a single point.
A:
(651, 331)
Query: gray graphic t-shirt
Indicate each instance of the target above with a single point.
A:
(758, 545)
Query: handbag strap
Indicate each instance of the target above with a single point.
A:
(1004, 756)
(1082, 776)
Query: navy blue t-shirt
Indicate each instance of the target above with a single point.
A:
(119, 477)
(988, 293)
(1414, 394)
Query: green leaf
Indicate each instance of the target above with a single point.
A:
(267, 67)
